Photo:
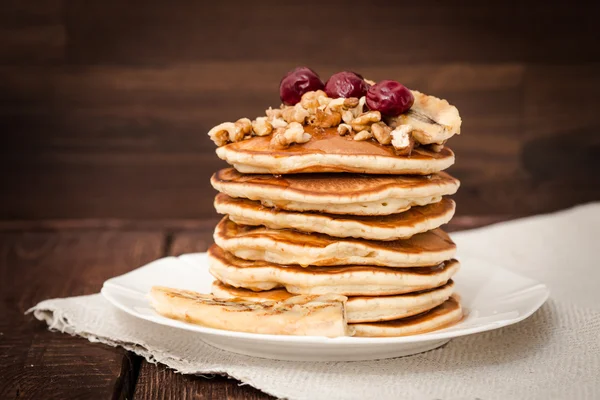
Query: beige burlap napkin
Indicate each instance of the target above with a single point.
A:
(553, 354)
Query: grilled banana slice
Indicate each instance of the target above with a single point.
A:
(299, 315)
(432, 120)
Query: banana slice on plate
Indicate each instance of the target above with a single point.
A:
(304, 315)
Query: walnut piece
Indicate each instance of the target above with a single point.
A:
(262, 127)
(367, 118)
(347, 116)
(273, 113)
(284, 137)
(295, 114)
(245, 126)
(229, 132)
(344, 129)
(382, 133)
(341, 103)
(402, 140)
(363, 135)
(351, 102)
(324, 119)
(312, 100)
(278, 123)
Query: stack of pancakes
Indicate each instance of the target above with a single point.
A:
(339, 216)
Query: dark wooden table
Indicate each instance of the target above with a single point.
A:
(41, 260)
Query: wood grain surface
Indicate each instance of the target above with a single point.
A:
(105, 162)
(36, 363)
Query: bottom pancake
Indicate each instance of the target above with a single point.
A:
(442, 316)
(358, 309)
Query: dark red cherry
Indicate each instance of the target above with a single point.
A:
(346, 84)
(389, 98)
(297, 82)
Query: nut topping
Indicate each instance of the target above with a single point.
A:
(363, 135)
(402, 140)
(278, 123)
(262, 127)
(382, 133)
(367, 118)
(344, 129)
(273, 113)
(284, 137)
(295, 114)
(390, 118)
(347, 116)
(324, 119)
(229, 132)
(312, 100)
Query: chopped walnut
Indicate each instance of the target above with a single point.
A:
(351, 102)
(323, 101)
(220, 133)
(402, 140)
(363, 135)
(244, 125)
(382, 133)
(344, 129)
(278, 123)
(335, 104)
(370, 82)
(347, 116)
(356, 111)
(294, 133)
(229, 132)
(273, 113)
(312, 100)
(341, 103)
(262, 127)
(324, 119)
(295, 114)
(367, 118)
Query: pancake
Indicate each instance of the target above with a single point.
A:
(388, 227)
(327, 151)
(348, 280)
(355, 194)
(293, 247)
(442, 316)
(300, 315)
(358, 309)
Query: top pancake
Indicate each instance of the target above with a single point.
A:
(327, 151)
(355, 194)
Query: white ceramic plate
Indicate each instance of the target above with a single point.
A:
(492, 297)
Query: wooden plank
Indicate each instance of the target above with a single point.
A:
(36, 363)
(32, 32)
(159, 382)
(341, 32)
(168, 225)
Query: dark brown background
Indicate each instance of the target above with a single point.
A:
(104, 161)
(105, 105)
